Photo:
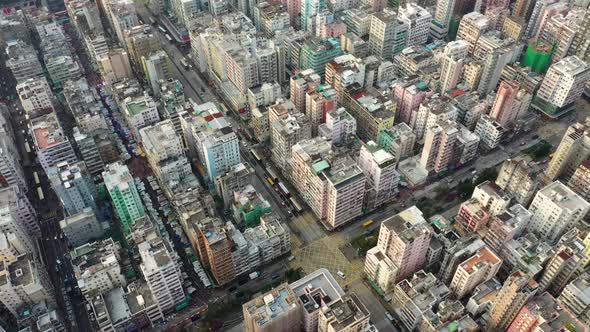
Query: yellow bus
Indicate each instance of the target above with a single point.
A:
(270, 181)
(368, 223)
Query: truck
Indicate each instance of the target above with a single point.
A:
(254, 275)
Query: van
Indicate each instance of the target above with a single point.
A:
(341, 274)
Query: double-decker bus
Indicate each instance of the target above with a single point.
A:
(295, 204)
(255, 154)
(272, 173)
(284, 190)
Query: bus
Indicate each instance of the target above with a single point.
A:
(40, 193)
(272, 173)
(184, 63)
(295, 204)
(255, 154)
(284, 190)
(161, 28)
(368, 223)
(152, 21)
(36, 177)
(270, 181)
(168, 37)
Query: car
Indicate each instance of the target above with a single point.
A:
(283, 204)
(275, 276)
(535, 136)
(232, 289)
(522, 143)
(341, 274)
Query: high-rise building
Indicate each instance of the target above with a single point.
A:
(161, 273)
(11, 171)
(491, 197)
(506, 226)
(236, 179)
(515, 293)
(157, 67)
(309, 9)
(544, 311)
(573, 149)
(89, 152)
(580, 181)
(121, 188)
(17, 208)
(472, 217)
(439, 146)
(345, 314)
(404, 239)
(140, 112)
(472, 26)
(418, 21)
(575, 297)
(285, 133)
(52, 145)
(388, 34)
(511, 103)
(518, 178)
(581, 42)
(398, 140)
(493, 64)
(140, 42)
(475, 270)
(373, 109)
(566, 263)
(315, 54)
(73, 186)
(562, 86)
(489, 131)
(214, 247)
(340, 126)
(300, 83)
(451, 64)
(114, 65)
(318, 103)
(555, 209)
(409, 95)
(164, 151)
(82, 227)
(443, 14)
(382, 178)
(22, 60)
(275, 310)
(35, 95)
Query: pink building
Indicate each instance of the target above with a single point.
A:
(333, 30)
(294, 9)
(472, 216)
(510, 103)
(409, 96)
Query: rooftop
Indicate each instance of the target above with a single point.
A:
(271, 305)
(483, 256)
(46, 131)
(564, 197)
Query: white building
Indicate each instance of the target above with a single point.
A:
(140, 112)
(35, 94)
(480, 267)
(162, 274)
(489, 131)
(73, 186)
(418, 21)
(451, 64)
(564, 82)
(472, 26)
(556, 208)
(22, 60)
(382, 178)
(339, 126)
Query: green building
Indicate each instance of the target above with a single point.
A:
(538, 57)
(121, 188)
(249, 206)
(316, 54)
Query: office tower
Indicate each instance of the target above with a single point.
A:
(451, 64)
(573, 149)
(556, 208)
(443, 13)
(414, 297)
(35, 95)
(404, 240)
(89, 152)
(340, 126)
(300, 83)
(52, 145)
(275, 310)
(140, 112)
(345, 314)
(562, 86)
(575, 297)
(580, 181)
(165, 153)
(418, 21)
(315, 54)
(398, 140)
(515, 292)
(472, 26)
(475, 270)
(439, 146)
(409, 95)
(73, 186)
(19, 216)
(387, 35)
(22, 60)
(581, 42)
(382, 178)
(162, 274)
(511, 103)
(121, 188)
(157, 67)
